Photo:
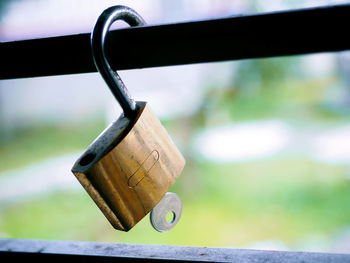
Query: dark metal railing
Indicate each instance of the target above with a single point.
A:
(322, 29)
(77, 251)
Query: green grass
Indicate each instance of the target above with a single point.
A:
(226, 205)
(37, 143)
(293, 99)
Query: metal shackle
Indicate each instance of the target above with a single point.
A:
(98, 36)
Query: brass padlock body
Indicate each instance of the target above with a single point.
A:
(129, 167)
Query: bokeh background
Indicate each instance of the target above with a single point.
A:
(267, 141)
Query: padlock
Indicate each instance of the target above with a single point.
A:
(130, 167)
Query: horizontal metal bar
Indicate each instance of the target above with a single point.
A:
(107, 252)
(323, 29)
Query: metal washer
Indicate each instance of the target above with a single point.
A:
(170, 203)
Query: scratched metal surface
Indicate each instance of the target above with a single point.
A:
(41, 250)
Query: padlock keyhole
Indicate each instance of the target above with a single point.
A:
(87, 159)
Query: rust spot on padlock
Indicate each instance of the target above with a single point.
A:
(144, 169)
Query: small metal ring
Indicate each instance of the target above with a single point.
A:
(98, 37)
(170, 203)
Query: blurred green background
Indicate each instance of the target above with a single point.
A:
(267, 144)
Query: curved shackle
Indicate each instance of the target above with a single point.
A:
(98, 37)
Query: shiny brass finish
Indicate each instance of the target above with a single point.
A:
(129, 167)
